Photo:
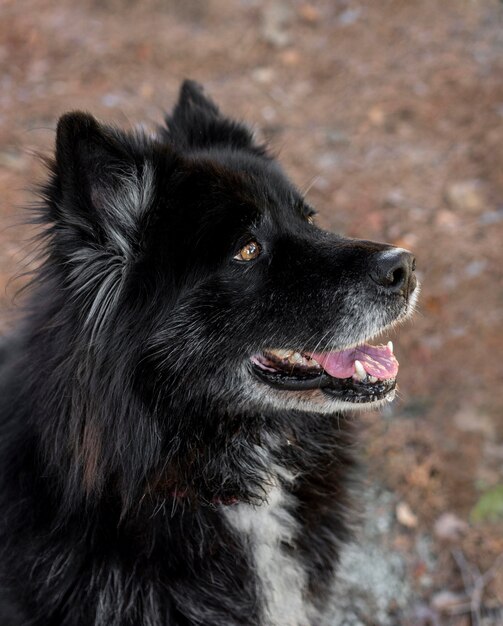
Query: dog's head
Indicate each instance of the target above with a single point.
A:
(196, 244)
(188, 289)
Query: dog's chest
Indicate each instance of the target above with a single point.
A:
(268, 531)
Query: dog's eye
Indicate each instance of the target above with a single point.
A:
(310, 219)
(248, 252)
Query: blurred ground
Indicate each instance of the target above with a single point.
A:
(391, 114)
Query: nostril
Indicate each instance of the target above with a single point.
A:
(396, 277)
(393, 269)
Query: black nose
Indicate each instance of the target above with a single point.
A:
(393, 269)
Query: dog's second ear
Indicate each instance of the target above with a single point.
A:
(102, 193)
(105, 181)
(196, 123)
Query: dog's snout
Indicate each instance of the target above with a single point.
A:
(393, 270)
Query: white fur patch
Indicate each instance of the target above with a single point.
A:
(266, 529)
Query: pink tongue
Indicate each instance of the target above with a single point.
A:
(377, 361)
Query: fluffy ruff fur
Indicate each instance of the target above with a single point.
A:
(148, 476)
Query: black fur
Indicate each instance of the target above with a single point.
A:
(129, 423)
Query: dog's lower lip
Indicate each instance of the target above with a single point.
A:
(346, 389)
(371, 393)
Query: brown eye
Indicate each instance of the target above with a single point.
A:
(248, 252)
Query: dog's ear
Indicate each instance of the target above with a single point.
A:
(196, 123)
(105, 181)
(99, 206)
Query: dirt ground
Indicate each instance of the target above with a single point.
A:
(390, 114)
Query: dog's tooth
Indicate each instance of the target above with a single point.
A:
(360, 370)
(390, 346)
(372, 379)
(310, 362)
(297, 357)
(391, 396)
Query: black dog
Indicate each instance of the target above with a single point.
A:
(172, 448)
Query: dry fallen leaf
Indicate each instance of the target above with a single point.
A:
(405, 515)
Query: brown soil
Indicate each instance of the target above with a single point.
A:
(391, 114)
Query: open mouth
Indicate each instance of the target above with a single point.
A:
(360, 374)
